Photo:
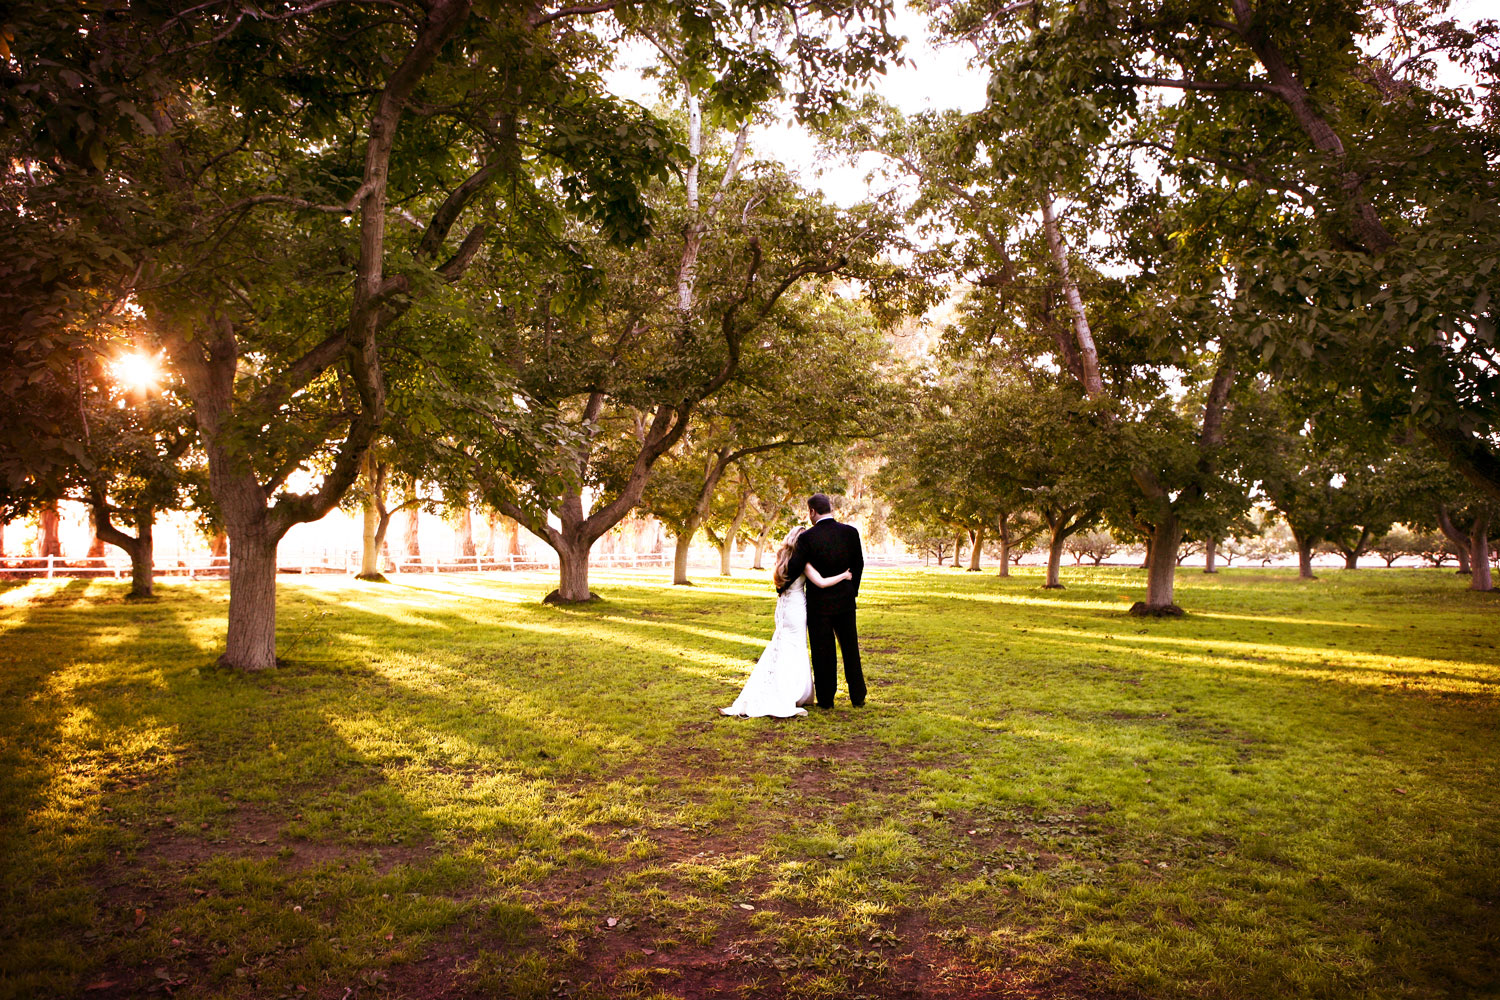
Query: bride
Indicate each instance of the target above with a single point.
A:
(782, 679)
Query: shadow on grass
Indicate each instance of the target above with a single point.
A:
(505, 733)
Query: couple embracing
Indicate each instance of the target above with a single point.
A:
(787, 676)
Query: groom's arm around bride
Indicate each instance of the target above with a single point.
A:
(831, 548)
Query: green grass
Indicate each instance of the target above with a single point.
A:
(452, 790)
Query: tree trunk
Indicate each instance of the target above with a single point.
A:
(411, 545)
(978, 548)
(959, 537)
(51, 544)
(251, 643)
(463, 542)
(1161, 573)
(1304, 557)
(142, 555)
(218, 545)
(761, 541)
(573, 577)
(1146, 562)
(369, 553)
(96, 544)
(1479, 553)
(1004, 525)
(1054, 555)
(1211, 554)
(139, 548)
(733, 532)
(680, 559)
(1456, 538)
(1351, 559)
(491, 528)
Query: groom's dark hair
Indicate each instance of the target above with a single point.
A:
(819, 503)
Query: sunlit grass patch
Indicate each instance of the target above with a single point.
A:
(451, 786)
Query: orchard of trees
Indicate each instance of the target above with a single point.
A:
(1206, 261)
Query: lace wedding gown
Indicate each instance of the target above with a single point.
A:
(782, 678)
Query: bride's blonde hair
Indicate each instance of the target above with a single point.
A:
(783, 557)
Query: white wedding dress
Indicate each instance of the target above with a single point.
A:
(782, 679)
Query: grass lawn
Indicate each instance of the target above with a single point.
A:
(452, 790)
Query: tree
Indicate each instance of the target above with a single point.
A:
(1096, 546)
(814, 379)
(1397, 543)
(268, 151)
(1383, 179)
(237, 195)
(102, 426)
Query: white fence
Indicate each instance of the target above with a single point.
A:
(329, 561)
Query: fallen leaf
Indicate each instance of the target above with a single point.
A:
(972, 832)
(1400, 791)
(140, 917)
(746, 906)
(648, 951)
(611, 921)
(102, 984)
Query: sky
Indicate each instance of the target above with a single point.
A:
(932, 79)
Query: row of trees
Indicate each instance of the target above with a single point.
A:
(1273, 541)
(375, 242)
(1213, 253)
(1016, 453)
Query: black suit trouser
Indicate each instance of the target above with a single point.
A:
(822, 630)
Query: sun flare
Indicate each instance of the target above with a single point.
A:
(137, 371)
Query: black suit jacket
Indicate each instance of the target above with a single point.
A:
(831, 548)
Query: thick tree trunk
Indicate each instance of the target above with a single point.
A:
(1211, 555)
(1479, 553)
(573, 576)
(1351, 559)
(463, 541)
(369, 553)
(1161, 573)
(49, 519)
(726, 552)
(1054, 556)
(251, 643)
(1304, 557)
(974, 553)
(96, 544)
(680, 559)
(143, 555)
(959, 537)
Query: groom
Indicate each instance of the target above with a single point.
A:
(831, 547)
